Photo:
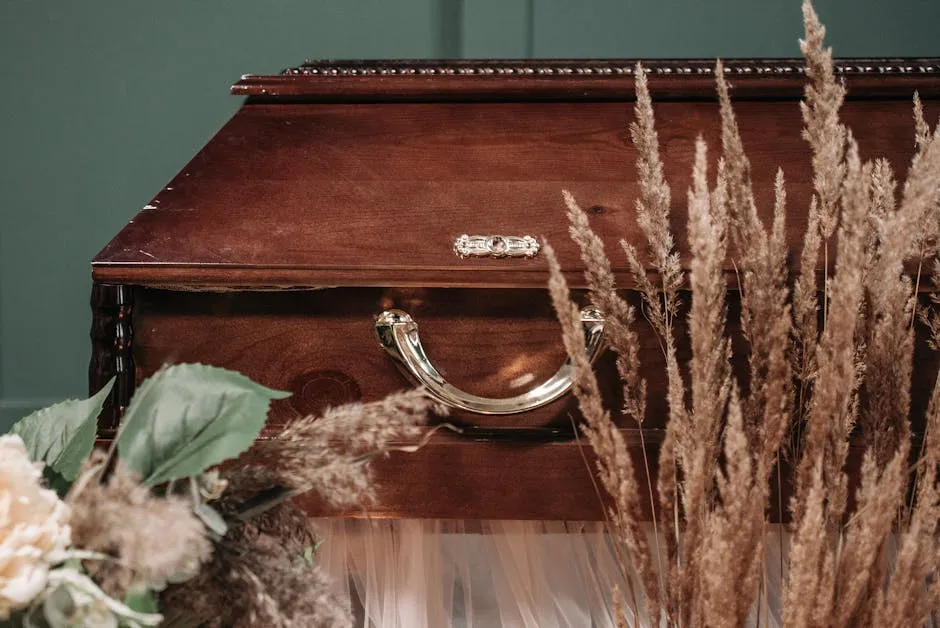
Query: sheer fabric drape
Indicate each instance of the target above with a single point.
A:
(486, 574)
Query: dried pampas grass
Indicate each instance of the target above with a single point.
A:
(263, 574)
(330, 453)
(263, 571)
(827, 386)
(142, 539)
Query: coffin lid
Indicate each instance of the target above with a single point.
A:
(366, 172)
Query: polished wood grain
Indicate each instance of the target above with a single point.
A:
(329, 194)
(321, 346)
(337, 191)
(456, 479)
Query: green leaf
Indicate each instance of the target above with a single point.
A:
(141, 600)
(63, 435)
(189, 417)
(212, 519)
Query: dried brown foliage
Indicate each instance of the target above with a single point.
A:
(147, 539)
(845, 382)
(330, 453)
(259, 577)
(263, 571)
(615, 466)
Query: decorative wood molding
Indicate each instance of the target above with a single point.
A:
(605, 68)
(429, 80)
(112, 354)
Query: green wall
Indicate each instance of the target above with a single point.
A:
(104, 101)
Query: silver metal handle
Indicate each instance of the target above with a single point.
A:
(398, 334)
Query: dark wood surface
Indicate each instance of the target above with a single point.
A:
(321, 346)
(451, 478)
(291, 194)
(357, 185)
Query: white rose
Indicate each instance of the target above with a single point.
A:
(34, 529)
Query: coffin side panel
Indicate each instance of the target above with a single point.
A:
(321, 346)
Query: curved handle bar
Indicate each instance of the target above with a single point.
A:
(398, 334)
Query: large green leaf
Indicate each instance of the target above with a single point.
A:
(63, 435)
(189, 417)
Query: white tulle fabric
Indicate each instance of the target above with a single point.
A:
(486, 574)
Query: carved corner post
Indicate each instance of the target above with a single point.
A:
(112, 353)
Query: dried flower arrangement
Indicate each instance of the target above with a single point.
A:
(154, 524)
(808, 387)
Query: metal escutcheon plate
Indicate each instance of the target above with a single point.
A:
(495, 246)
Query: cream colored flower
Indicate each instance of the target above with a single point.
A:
(34, 530)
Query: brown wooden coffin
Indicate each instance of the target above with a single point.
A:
(337, 192)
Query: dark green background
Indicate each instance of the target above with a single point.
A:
(104, 101)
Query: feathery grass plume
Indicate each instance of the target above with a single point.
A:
(889, 337)
(652, 213)
(826, 135)
(822, 127)
(820, 494)
(661, 301)
(805, 308)
(330, 454)
(149, 539)
(923, 138)
(619, 318)
(619, 620)
(738, 518)
(652, 208)
(716, 458)
(765, 307)
(258, 575)
(615, 466)
(883, 187)
(709, 369)
(878, 499)
(809, 556)
(746, 228)
(921, 190)
(921, 128)
(927, 240)
(929, 316)
(884, 204)
(885, 398)
(777, 398)
(730, 568)
(833, 413)
(920, 197)
(913, 591)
